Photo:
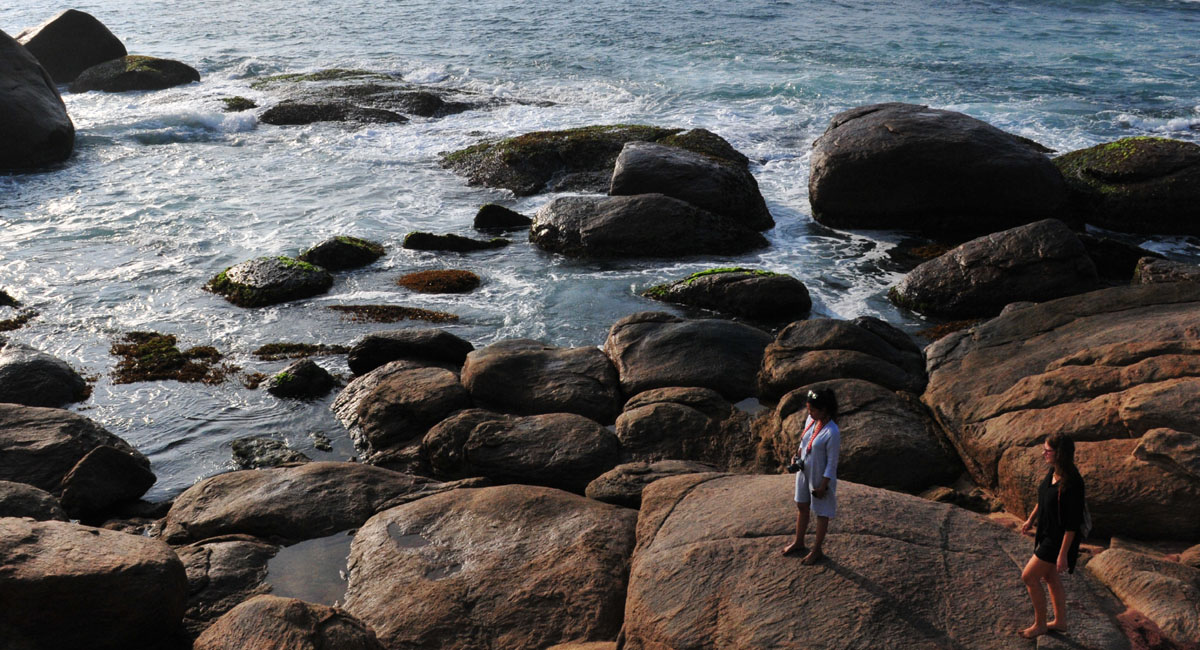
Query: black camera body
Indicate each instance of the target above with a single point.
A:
(794, 466)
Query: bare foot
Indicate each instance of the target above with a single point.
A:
(1033, 631)
(812, 558)
(795, 548)
(1056, 626)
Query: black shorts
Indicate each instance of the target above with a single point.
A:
(1047, 549)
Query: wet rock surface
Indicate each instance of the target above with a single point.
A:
(69, 43)
(1108, 368)
(440, 281)
(293, 113)
(134, 72)
(529, 377)
(908, 166)
(257, 452)
(416, 344)
(1035, 262)
(270, 280)
(302, 379)
(425, 241)
(33, 119)
(658, 350)
(498, 217)
(105, 477)
(223, 572)
(746, 293)
(33, 378)
(645, 225)
(391, 419)
(342, 252)
(272, 622)
(511, 566)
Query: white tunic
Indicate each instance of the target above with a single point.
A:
(819, 463)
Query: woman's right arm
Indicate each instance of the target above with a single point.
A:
(1029, 522)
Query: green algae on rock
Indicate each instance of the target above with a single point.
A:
(343, 252)
(331, 74)
(277, 351)
(237, 104)
(737, 291)
(392, 313)
(134, 72)
(440, 281)
(270, 280)
(151, 356)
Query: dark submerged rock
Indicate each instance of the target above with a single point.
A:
(713, 184)
(392, 313)
(302, 379)
(272, 622)
(277, 351)
(270, 280)
(440, 281)
(34, 124)
(417, 344)
(908, 166)
(1147, 185)
(646, 225)
(24, 500)
(237, 104)
(342, 252)
(658, 350)
(257, 452)
(134, 73)
(747, 293)
(424, 241)
(33, 378)
(498, 217)
(1035, 262)
(70, 43)
(623, 484)
(1116, 261)
(292, 113)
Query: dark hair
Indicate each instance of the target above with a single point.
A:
(1064, 458)
(823, 399)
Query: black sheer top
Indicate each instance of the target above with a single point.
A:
(1059, 512)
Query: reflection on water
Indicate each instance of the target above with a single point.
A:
(313, 570)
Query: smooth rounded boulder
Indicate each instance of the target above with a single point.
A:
(746, 293)
(134, 72)
(272, 623)
(694, 424)
(301, 379)
(909, 166)
(1166, 592)
(269, 280)
(659, 350)
(560, 450)
(530, 377)
(71, 586)
(34, 124)
(417, 344)
(290, 504)
(105, 477)
(1143, 184)
(223, 572)
(70, 43)
(645, 225)
(1110, 368)
(821, 349)
(1035, 262)
(23, 500)
(390, 420)
(342, 252)
(899, 572)
(515, 567)
(33, 378)
(710, 183)
(623, 484)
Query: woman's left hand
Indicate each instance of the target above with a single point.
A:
(1062, 564)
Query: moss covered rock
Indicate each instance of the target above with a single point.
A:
(237, 104)
(150, 356)
(270, 280)
(134, 72)
(343, 252)
(748, 293)
(293, 113)
(440, 281)
(1149, 185)
(302, 379)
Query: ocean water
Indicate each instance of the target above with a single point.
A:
(165, 189)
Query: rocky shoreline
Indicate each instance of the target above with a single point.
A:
(628, 494)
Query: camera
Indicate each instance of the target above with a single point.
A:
(794, 466)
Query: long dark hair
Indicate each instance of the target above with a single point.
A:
(1064, 459)
(824, 399)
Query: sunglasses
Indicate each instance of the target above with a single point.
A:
(812, 396)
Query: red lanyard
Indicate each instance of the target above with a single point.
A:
(813, 439)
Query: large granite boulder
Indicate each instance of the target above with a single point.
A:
(342, 252)
(69, 586)
(34, 124)
(694, 424)
(623, 484)
(1152, 270)
(659, 350)
(1035, 262)
(1148, 185)
(290, 504)
(821, 349)
(913, 167)
(273, 623)
(24, 500)
(515, 567)
(900, 572)
(560, 450)
(269, 280)
(70, 43)
(1166, 592)
(34, 378)
(746, 293)
(580, 158)
(423, 344)
(719, 186)
(888, 437)
(42, 446)
(105, 477)
(222, 572)
(1108, 368)
(134, 73)
(529, 377)
(388, 422)
(645, 225)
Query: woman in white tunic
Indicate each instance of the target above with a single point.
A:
(816, 482)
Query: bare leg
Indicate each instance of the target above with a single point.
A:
(797, 545)
(816, 554)
(1036, 571)
(1058, 598)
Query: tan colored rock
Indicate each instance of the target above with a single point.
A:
(22, 500)
(623, 484)
(273, 623)
(510, 567)
(1107, 367)
(63, 585)
(1168, 593)
(901, 572)
(222, 573)
(1191, 557)
(695, 424)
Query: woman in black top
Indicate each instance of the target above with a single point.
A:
(1059, 515)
